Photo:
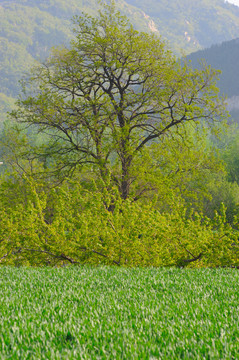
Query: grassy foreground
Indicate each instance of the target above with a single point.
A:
(117, 313)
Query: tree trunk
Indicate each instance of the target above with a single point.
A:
(125, 182)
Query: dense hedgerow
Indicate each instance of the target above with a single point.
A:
(69, 224)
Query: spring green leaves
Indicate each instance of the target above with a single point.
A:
(114, 92)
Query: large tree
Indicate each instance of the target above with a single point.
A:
(114, 92)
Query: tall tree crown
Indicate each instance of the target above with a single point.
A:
(114, 91)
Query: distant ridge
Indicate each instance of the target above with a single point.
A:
(224, 57)
(29, 28)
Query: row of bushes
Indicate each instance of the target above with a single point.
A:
(71, 225)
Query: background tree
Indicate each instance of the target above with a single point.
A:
(110, 95)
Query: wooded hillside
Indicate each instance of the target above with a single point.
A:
(29, 28)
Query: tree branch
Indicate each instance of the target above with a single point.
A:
(194, 258)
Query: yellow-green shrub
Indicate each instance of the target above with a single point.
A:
(69, 224)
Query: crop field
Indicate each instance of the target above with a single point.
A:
(118, 313)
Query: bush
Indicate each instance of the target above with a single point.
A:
(70, 224)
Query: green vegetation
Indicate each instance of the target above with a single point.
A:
(29, 28)
(224, 58)
(111, 313)
(115, 95)
(73, 225)
(112, 156)
(192, 25)
(116, 165)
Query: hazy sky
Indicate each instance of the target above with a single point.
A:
(235, 2)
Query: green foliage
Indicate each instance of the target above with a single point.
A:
(127, 123)
(30, 28)
(220, 190)
(223, 186)
(192, 25)
(229, 153)
(182, 168)
(104, 312)
(70, 224)
(110, 95)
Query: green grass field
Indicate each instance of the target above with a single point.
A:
(117, 313)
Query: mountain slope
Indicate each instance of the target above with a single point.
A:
(223, 57)
(29, 28)
(192, 24)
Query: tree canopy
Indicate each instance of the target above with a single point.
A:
(112, 94)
